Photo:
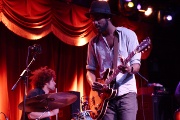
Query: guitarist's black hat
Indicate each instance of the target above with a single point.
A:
(99, 7)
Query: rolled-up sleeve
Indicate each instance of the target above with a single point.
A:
(91, 57)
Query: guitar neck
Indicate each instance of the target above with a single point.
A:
(129, 57)
(112, 76)
(143, 45)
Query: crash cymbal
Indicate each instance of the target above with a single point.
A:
(46, 102)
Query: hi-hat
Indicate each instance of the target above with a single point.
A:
(47, 102)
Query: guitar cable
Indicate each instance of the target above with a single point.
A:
(142, 97)
(142, 77)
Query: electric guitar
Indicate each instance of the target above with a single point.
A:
(99, 99)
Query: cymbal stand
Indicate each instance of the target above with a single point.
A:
(24, 76)
(85, 110)
(41, 116)
(47, 107)
(56, 114)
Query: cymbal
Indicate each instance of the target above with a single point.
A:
(45, 102)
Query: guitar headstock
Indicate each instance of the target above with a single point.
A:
(143, 46)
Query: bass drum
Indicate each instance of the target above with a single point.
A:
(177, 114)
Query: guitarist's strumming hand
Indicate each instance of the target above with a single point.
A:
(96, 86)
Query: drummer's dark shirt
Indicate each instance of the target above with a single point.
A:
(33, 93)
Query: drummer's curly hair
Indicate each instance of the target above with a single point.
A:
(42, 76)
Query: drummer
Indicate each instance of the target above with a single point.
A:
(43, 82)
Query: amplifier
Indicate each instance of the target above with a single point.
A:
(155, 107)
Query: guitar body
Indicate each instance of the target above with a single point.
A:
(99, 101)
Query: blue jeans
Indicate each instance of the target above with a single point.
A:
(122, 108)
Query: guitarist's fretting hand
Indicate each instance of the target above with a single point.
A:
(124, 67)
(96, 86)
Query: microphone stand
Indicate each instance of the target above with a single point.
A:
(4, 115)
(24, 75)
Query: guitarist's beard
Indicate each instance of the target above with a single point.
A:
(103, 28)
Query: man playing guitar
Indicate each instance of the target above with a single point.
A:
(107, 51)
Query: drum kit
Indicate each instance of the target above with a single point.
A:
(47, 102)
(85, 113)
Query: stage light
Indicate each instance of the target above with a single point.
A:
(139, 6)
(130, 4)
(147, 12)
(127, 7)
(165, 15)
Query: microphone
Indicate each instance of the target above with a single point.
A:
(36, 49)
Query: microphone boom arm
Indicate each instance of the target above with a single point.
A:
(23, 74)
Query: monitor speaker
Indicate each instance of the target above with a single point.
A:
(155, 107)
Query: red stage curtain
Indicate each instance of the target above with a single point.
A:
(34, 19)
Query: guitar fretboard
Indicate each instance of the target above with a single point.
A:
(117, 70)
(143, 45)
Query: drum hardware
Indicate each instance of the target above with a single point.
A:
(85, 114)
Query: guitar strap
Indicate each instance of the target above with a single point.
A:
(116, 47)
(115, 58)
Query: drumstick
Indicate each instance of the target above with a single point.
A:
(56, 114)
